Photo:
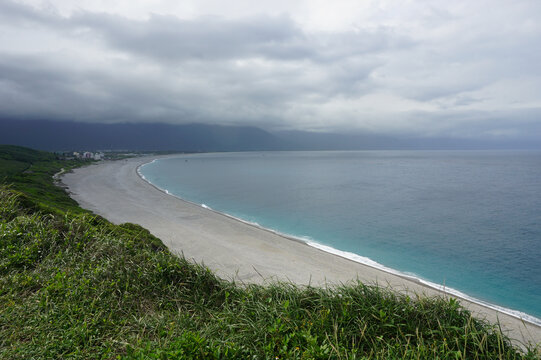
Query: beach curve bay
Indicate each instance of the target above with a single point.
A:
(463, 220)
(233, 249)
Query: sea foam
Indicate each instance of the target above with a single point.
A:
(447, 290)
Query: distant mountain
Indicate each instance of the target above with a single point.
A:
(66, 135)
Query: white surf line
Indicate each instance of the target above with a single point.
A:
(359, 259)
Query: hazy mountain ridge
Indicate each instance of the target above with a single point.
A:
(64, 135)
(67, 135)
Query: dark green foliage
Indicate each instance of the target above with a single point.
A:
(30, 172)
(9, 168)
(24, 155)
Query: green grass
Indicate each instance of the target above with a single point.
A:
(23, 154)
(30, 173)
(10, 168)
(74, 286)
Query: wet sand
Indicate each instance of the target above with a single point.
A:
(235, 250)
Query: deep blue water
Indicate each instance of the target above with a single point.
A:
(469, 220)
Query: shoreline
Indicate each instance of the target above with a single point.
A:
(359, 259)
(250, 253)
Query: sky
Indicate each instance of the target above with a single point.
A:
(464, 69)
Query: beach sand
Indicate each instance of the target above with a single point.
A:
(235, 250)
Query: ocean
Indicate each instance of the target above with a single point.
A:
(468, 221)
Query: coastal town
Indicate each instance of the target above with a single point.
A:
(87, 155)
(94, 155)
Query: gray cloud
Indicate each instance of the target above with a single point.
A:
(443, 72)
(16, 13)
(168, 38)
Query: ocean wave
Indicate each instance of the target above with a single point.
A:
(413, 277)
(138, 170)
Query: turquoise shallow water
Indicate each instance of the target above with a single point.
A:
(468, 220)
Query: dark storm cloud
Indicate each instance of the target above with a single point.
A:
(32, 88)
(445, 71)
(205, 49)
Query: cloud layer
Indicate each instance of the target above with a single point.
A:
(423, 68)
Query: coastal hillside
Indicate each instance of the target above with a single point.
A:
(31, 172)
(73, 285)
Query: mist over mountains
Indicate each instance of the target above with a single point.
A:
(66, 136)
(63, 135)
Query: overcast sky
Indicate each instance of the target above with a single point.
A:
(429, 68)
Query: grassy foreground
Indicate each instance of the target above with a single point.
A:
(73, 285)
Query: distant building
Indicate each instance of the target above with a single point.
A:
(87, 155)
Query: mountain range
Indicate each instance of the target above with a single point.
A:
(54, 135)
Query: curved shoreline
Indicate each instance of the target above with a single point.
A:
(519, 315)
(239, 251)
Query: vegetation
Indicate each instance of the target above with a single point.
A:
(30, 172)
(73, 285)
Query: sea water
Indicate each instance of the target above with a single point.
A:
(469, 221)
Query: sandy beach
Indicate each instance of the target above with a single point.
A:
(235, 250)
